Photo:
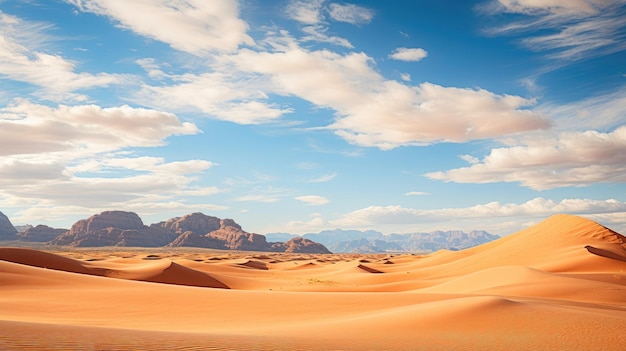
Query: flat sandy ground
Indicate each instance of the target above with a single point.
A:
(560, 285)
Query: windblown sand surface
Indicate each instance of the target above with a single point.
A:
(560, 285)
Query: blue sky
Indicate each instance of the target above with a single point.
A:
(299, 116)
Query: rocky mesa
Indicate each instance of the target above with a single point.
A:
(120, 228)
(200, 230)
(7, 230)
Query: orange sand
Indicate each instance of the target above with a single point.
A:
(560, 285)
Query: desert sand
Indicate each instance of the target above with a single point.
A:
(559, 285)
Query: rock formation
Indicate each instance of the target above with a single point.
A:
(40, 233)
(300, 245)
(113, 228)
(194, 222)
(119, 228)
(199, 230)
(7, 230)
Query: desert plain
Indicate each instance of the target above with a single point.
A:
(558, 285)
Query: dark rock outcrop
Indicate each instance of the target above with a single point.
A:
(7, 230)
(300, 245)
(199, 230)
(119, 228)
(40, 233)
(113, 228)
(195, 222)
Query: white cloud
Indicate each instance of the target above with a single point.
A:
(306, 12)
(554, 6)
(235, 96)
(323, 178)
(372, 111)
(83, 129)
(487, 216)
(408, 54)
(567, 30)
(312, 16)
(397, 115)
(265, 194)
(122, 187)
(55, 77)
(312, 199)
(350, 13)
(416, 193)
(602, 112)
(76, 157)
(318, 33)
(155, 165)
(316, 223)
(195, 26)
(571, 159)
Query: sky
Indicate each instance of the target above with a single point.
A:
(300, 116)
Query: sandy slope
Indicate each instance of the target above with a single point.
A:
(560, 285)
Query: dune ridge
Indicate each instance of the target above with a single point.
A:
(560, 284)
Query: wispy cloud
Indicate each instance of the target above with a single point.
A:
(22, 59)
(350, 13)
(314, 17)
(323, 178)
(265, 194)
(416, 193)
(566, 30)
(306, 12)
(312, 199)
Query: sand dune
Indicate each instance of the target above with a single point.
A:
(560, 285)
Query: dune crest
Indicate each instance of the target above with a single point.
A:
(558, 285)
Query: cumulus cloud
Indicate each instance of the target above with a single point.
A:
(495, 217)
(373, 111)
(194, 26)
(55, 77)
(83, 128)
(488, 215)
(93, 186)
(350, 13)
(397, 115)
(571, 159)
(312, 199)
(77, 157)
(408, 54)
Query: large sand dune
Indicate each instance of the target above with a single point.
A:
(560, 285)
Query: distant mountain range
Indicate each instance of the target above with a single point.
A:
(120, 228)
(371, 241)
